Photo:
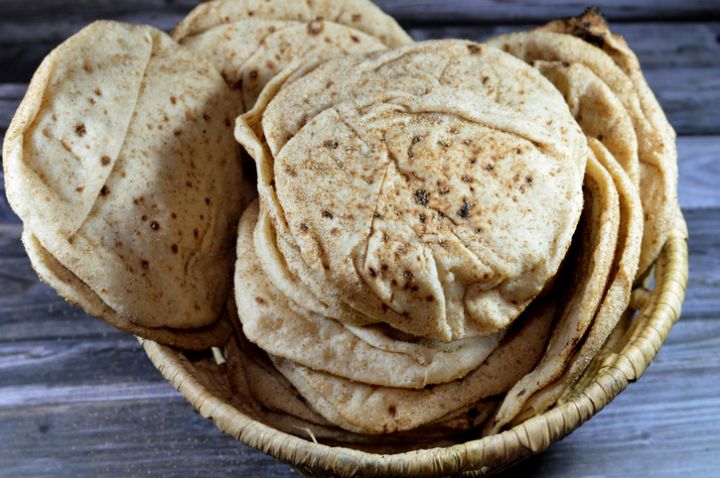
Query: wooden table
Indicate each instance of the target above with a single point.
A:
(78, 398)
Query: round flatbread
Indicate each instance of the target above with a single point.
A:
(121, 165)
(250, 42)
(421, 164)
(361, 15)
(617, 66)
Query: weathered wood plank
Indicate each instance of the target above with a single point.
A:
(408, 11)
(64, 370)
(702, 298)
(657, 44)
(105, 425)
(123, 438)
(699, 165)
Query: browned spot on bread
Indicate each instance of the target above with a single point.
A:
(422, 197)
(474, 49)
(80, 189)
(154, 226)
(464, 211)
(104, 191)
(174, 248)
(173, 100)
(331, 144)
(105, 160)
(145, 264)
(356, 17)
(80, 129)
(260, 300)
(315, 27)
(327, 214)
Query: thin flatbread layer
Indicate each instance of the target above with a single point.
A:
(78, 293)
(617, 296)
(368, 409)
(597, 110)
(379, 133)
(360, 15)
(119, 161)
(301, 296)
(324, 344)
(260, 387)
(248, 53)
(656, 139)
(588, 269)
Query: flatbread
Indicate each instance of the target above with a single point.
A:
(361, 15)
(79, 294)
(418, 150)
(583, 289)
(261, 390)
(621, 72)
(617, 296)
(250, 42)
(324, 344)
(597, 110)
(369, 409)
(121, 164)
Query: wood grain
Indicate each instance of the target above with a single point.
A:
(407, 11)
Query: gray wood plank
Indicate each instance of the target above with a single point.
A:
(146, 428)
(699, 168)
(151, 437)
(424, 11)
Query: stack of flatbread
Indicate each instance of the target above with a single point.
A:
(430, 237)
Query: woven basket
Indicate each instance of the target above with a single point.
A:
(622, 360)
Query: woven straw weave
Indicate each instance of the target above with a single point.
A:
(623, 359)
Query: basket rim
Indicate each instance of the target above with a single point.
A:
(474, 457)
